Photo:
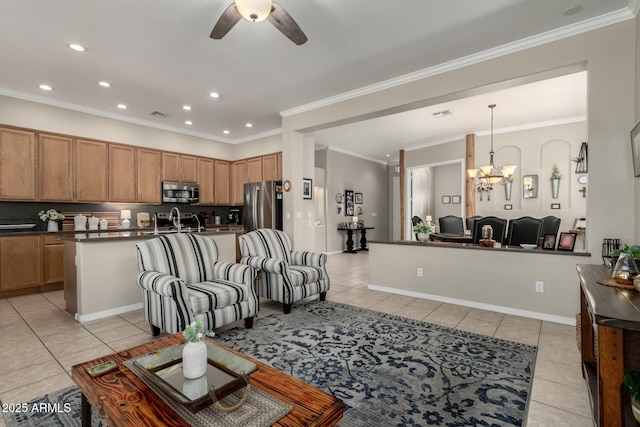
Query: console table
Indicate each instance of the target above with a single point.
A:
(363, 238)
(609, 316)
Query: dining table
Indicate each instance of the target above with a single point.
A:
(451, 238)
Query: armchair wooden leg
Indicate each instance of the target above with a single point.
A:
(323, 296)
(287, 308)
(248, 322)
(155, 331)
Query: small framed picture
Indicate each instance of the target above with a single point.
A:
(549, 242)
(567, 241)
(358, 198)
(555, 205)
(307, 188)
(455, 200)
(508, 207)
(446, 200)
(349, 206)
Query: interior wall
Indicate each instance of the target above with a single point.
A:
(345, 172)
(27, 114)
(611, 101)
(258, 147)
(447, 183)
(637, 116)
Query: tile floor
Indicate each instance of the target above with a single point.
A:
(41, 342)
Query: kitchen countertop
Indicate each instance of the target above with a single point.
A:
(118, 233)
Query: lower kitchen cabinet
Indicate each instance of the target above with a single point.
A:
(30, 264)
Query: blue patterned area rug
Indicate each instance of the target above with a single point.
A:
(394, 371)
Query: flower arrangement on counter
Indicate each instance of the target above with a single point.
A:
(51, 215)
(194, 332)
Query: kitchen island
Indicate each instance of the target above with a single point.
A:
(101, 267)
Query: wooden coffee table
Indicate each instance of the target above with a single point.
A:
(123, 399)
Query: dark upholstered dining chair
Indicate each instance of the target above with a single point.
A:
(469, 221)
(525, 230)
(550, 225)
(499, 226)
(451, 224)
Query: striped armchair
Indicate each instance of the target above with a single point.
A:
(182, 282)
(286, 275)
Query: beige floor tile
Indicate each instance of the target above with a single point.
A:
(425, 304)
(562, 373)
(8, 316)
(43, 329)
(561, 396)
(109, 336)
(2, 423)
(558, 329)
(541, 415)
(453, 309)
(558, 348)
(134, 316)
(484, 315)
(131, 341)
(478, 326)
(37, 389)
(15, 359)
(444, 319)
(69, 348)
(100, 325)
(68, 362)
(29, 375)
(66, 336)
(510, 332)
(521, 322)
(363, 302)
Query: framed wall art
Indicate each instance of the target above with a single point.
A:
(358, 198)
(446, 200)
(307, 188)
(456, 200)
(349, 207)
(567, 241)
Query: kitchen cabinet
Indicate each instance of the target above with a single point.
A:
(221, 183)
(206, 169)
(17, 164)
(20, 262)
(52, 260)
(148, 175)
(91, 171)
(178, 167)
(55, 168)
(270, 167)
(254, 169)
(122, 173)
(238, 179)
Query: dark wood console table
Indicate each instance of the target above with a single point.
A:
(363, 238)
(609, 316)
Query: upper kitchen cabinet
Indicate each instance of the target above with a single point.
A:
(205, 181)
(55, 167)
(17, 165)
(221, 183)
(254, 169)
(238, 179)
(279, 166)
(270, 168)
(178, 167)
(122, 173)
(91, 171)
(149, 175)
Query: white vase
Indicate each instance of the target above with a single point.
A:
(423, 237)
(52, 225)
(194, 359)
(635, 409)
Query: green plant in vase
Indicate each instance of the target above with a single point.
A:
(422, 230)
(631, 382)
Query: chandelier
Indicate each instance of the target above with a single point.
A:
(491, 174)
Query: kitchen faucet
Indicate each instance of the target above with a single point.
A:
(155, 224)
(198, 221)
(175, 219)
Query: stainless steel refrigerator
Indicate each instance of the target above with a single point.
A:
(262, 205)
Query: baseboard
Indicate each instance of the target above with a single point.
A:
(107, 313)
(474, 304)
(333, 253)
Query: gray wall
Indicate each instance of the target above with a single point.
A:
(345, 172)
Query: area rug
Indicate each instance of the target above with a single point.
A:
(393, 371)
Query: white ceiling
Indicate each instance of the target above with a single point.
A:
(158, 56)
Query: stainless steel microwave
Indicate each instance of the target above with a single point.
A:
(180, 192)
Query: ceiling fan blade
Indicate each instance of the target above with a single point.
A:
(286, 25)
(229, 18)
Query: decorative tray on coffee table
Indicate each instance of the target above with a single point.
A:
(226, 373)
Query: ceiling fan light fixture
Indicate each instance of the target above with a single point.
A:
(254, 10)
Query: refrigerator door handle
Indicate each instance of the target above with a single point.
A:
(256, 207)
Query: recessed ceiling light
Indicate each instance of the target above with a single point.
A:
(443, 113)
(572, 10)
(249, 125)
(77, 47)
(214, 95)
(226, 132)
(188, 122)
(186, 107)
(122, 106)
(104, 84)
(45, 87)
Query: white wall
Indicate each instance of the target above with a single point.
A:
(447, 182)
(258, 147)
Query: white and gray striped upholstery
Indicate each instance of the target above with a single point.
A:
(286, 275)
(182, 282)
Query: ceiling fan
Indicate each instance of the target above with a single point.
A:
(256, 11)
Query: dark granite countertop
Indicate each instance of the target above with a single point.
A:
(116, 233)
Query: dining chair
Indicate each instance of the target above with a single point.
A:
(469, 222)
(550, 225)
(451, 224)
(524, 230)
(499, 226)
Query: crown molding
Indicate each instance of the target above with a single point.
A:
(354, 154)
(265, 134)
(634, 7)
(523, 44)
